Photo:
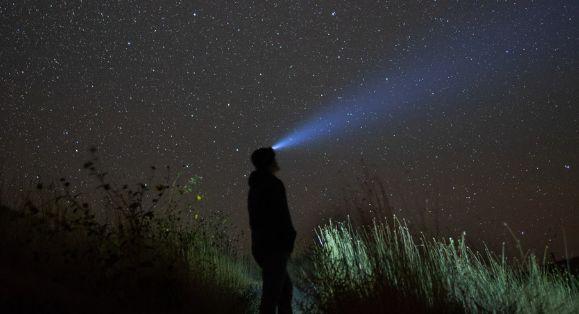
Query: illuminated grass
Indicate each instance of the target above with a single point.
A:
(383, 268)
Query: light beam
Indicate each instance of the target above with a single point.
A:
(444, 66)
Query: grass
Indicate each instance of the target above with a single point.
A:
(142, 248)
(87, 267)
(385, 269)
(153, 248)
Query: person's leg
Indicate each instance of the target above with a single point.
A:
(268, 294)
(285, 299)
(273, 276)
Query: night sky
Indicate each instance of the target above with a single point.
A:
(468, 112)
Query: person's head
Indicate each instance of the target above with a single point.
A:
(264, 159)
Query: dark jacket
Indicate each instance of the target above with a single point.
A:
(269, 218)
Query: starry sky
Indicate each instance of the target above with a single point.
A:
(468, 111)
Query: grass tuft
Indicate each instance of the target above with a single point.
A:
(384, 268)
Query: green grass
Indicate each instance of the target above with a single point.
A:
(144, 248)
(383, 268)
(51, 267)
(154, 248)
(377, 269)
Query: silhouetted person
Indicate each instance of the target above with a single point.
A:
(272, 232)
